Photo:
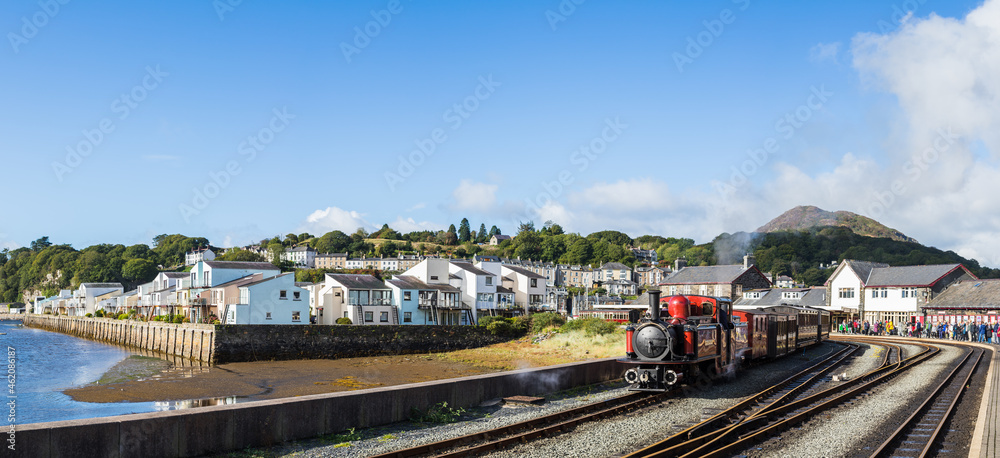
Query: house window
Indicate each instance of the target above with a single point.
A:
(846, 293)
(534, 282)
(406, 295)
(407, 317)
(345, 314)
(874, 293)
(489, 281)
(673, 290)
(369, 317)
(296, 296)
(434, 277)
(383, 317)
(283, 295)
(295, 316)
(268, 316)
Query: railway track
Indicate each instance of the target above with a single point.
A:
(493, 439)
(917, 435)
(721, 439)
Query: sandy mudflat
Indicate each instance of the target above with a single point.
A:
(143, 380)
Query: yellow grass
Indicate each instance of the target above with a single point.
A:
(559, 348)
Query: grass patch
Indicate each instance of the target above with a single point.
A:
(438, 413)
(343, 439)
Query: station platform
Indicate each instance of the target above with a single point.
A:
(986, 438)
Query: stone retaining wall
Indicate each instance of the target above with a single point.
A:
(220, 429)
(189, 341)
(220, 344)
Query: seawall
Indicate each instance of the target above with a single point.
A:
(187, 340)
(220, 344)
(218, 429)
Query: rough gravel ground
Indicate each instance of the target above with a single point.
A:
(607, 438)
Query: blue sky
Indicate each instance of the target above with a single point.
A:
(184, 90)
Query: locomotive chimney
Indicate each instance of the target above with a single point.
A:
(654, 304)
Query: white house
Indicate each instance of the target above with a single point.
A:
(197, 255)
(302, 256)
(496, 239)
(363, 299)
(470, 282)
(272, 300)
(874, 291)
(85, 296)
(420, 303)
(612, 271)
(528, 287)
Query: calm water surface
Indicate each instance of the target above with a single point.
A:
(49, 362)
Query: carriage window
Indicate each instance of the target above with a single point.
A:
(706, 309)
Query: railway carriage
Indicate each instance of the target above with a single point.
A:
(618, 316)
(703, 334)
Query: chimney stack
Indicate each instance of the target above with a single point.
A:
(654, 304)
(749, 260)
(680, 263)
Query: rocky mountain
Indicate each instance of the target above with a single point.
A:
(806, 217)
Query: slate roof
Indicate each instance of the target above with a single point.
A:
(968, 294)
(909, 275)
(615, 266)
(265, 280)
(863, 269)
(704, 275)
(408, 282)
(812, 297)
(486, 258)
(470, 268)
(241, 265)
(232, 282)
(524, 272)
(102, 285)
(357, 281)
(301, 249)
(502, 290)
(177, 274)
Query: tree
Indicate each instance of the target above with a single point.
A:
(332, 242)
(525, 227)
(464, 231)
(612, 237)
(493, 231)
(481, 236)
(139, 270)
(275, 249)
(140, 251)
(40, 244)
(158, 239)
(241, 255)
(529, 245)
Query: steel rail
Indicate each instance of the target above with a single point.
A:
(898, 436)
(706, 429)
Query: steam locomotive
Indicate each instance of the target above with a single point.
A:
(704, 335)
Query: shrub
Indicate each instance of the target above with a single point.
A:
(89, 315)
(179, 319)
(502, 328)
(344, 320)
(540, 321)
(99, 314)
(486, 320)
(216, 322)
(591, 326)
(522, 323)
(186, 320)
(123, 316)
(437, 413)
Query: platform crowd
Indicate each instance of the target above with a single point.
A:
(968, 331)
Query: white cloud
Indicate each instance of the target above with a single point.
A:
(4, 243)
(470, 195)
(332, 218)
(822, 52)
(625, 196)
(404, 225)
(416, 207)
